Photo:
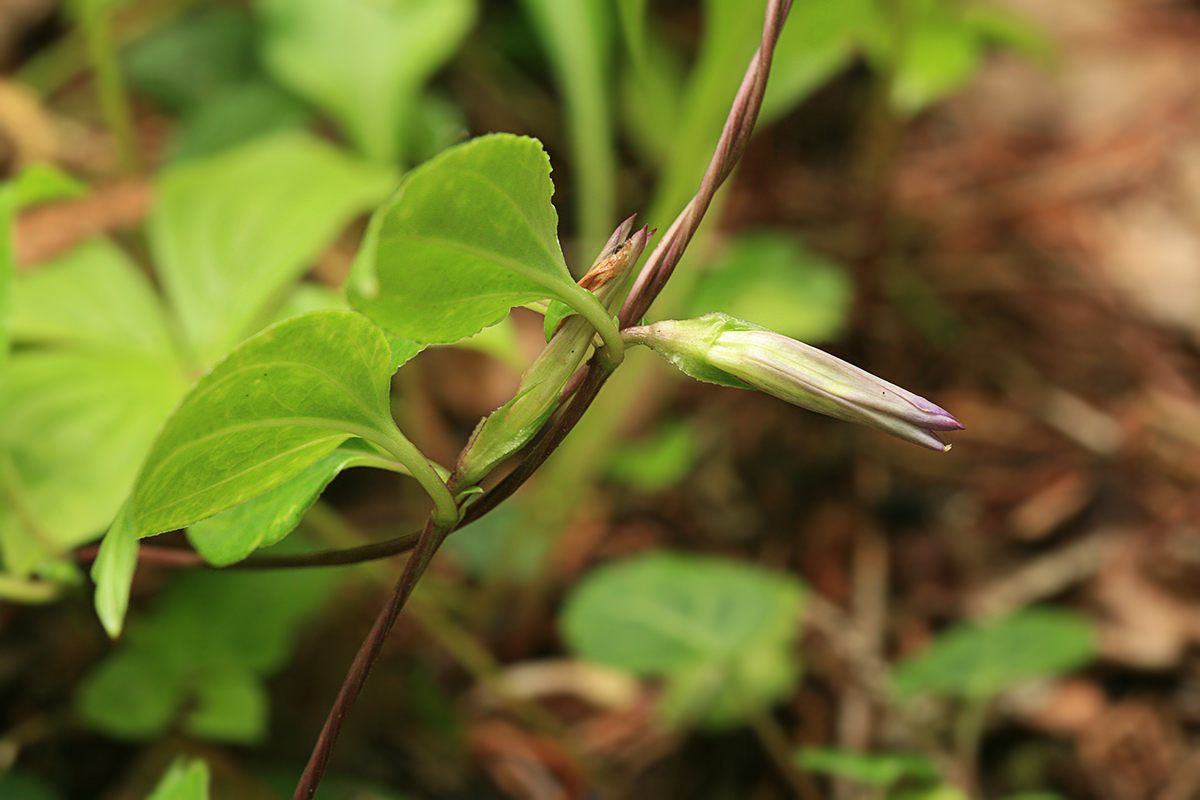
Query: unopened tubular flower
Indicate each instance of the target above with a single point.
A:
(720, 349)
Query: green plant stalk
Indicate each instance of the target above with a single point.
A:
(578, 47)
(445, 510)
(55, 66)
(729, 40)
(114, 99)
(969, 726)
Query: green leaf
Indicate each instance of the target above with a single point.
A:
(651, 99)
(281, 401)
(657, 462)
(14, 786)
(732, 31)
(43, 183)
(820, 39)
(721, 633)
(996, 24)
(363, 61)
(262, 521)
(231, 232)
(37, 183)
(199, 658)
(112, 572)
(185, 779)
(772, 279)
(632, 14)
(872, 769)
(58, 405)
(92, 296)
(980, 661)
(8, 271)
(240, 114)
(194, 58)
(578, 38)
(469, 234)
(940, 56)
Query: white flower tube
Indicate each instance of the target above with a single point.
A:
(717, 348)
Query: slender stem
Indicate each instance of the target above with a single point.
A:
(430, 540)
(445, 510)
(114, 100)
(775, 742)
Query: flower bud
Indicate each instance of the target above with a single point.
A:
(509, 427)
(717, 348)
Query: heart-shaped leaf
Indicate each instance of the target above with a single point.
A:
(469, 234)
(282, 400)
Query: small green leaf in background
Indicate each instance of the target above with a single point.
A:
(940, 56)
(469, 234)
(281, 401)
(14, 786)
(185, 779)
(820, 39)
(978, 661)
(363, 61)
(872, 769)
(244, 112)
(657, 461)
(772, 279)
(98, 373)
(58, 404)
(37, 183)
(199, 659)
(229, 233)
(262, 521)
(652, 96)
(8, 271)
(999, 26)
(202, 68)
(577, 37)
(494, 543)
(92, 296)
(720, 633)
(194, 58)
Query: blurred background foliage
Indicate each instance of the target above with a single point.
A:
(704, 594)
